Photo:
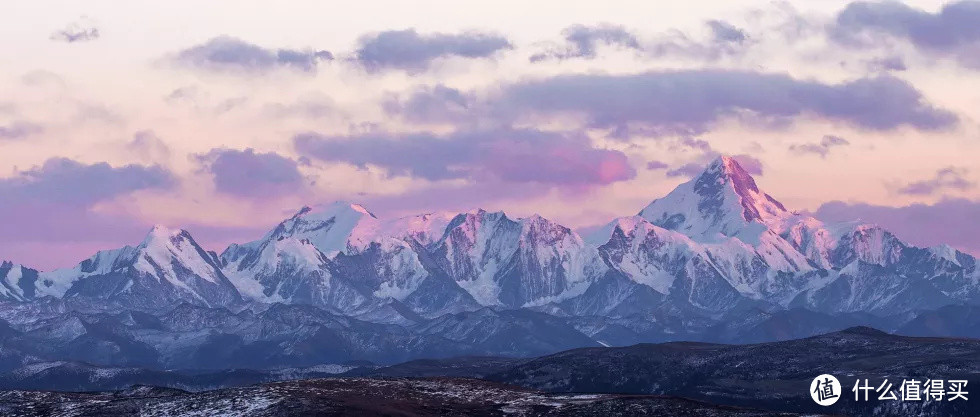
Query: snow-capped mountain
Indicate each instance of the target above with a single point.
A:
(17, 282)
(167, 268)
(515, 263)
(770, 254)
(716, 259)
(724, 200)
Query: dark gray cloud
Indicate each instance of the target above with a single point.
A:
(228, 54)
(950, 178)
(822, 148)
(251, 174)
(950, 221)
(655, 165)
(19, 130)
(505, 155)
(952, 31)
(691, 101)
(80, 31)
(583, 42)
(413, 52)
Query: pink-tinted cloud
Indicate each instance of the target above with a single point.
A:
(950, 178)
(749, 163)
(508, 155)
(19, 130)
(692, 101)
(685, 102)
(81, 31)
(53, 203)
(148, 146)
(950, 221)
(822, 148)
(688, 170)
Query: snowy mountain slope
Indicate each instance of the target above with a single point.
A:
(168, 267)
(17, 282)
(723, 200)
(524, 262)
(333, 228)
(368, 268)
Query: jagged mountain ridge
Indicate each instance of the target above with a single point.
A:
(714, 248)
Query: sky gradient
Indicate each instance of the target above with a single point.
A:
(225, 119)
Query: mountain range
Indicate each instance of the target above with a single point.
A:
(717, 259)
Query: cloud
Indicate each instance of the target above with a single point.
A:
(148, 146)
(952, 31)
(688, 170)
(583, 42)
(228, 54)
(698, 144)
(517, 156)
(823, 148)
(950, 178)
(80, 31)
(725, 39)
(655, 165)
(310, 107)
(692, 101)
(53, 204)
(749, 163)
(889, 63)
(413, 52)
(950, 221)
(437, 103)
(492, 194)
(68, 182)
(723, 32)
(251, 174)
(19, 130)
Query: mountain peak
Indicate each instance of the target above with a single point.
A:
(329, 227)
(729, 168)
(756, 205)
(723, 199)
(327, 211)
(161, 233)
